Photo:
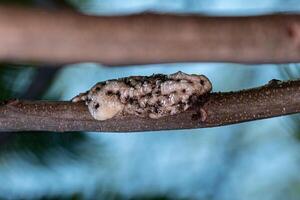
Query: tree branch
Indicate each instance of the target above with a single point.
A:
(68, 37)
(217, 109)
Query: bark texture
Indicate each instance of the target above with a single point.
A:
(66, 37)
(217, 109)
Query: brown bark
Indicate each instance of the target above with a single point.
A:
(68, 37)
(217, 109)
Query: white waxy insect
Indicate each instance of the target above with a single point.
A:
(146, 96)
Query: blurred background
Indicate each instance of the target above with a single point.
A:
(254, 160)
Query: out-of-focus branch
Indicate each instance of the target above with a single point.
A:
(68, 37)
(217, 109)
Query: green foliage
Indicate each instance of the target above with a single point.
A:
(20, 2)
(39, 143)
(14, 80)
(292, 72)
(5, 91)
(78, 3)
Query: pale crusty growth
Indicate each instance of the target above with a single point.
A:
(146, 96)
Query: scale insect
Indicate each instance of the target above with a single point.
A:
(153, 96)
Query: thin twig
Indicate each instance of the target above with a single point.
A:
(217, 109)
(68, 37)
